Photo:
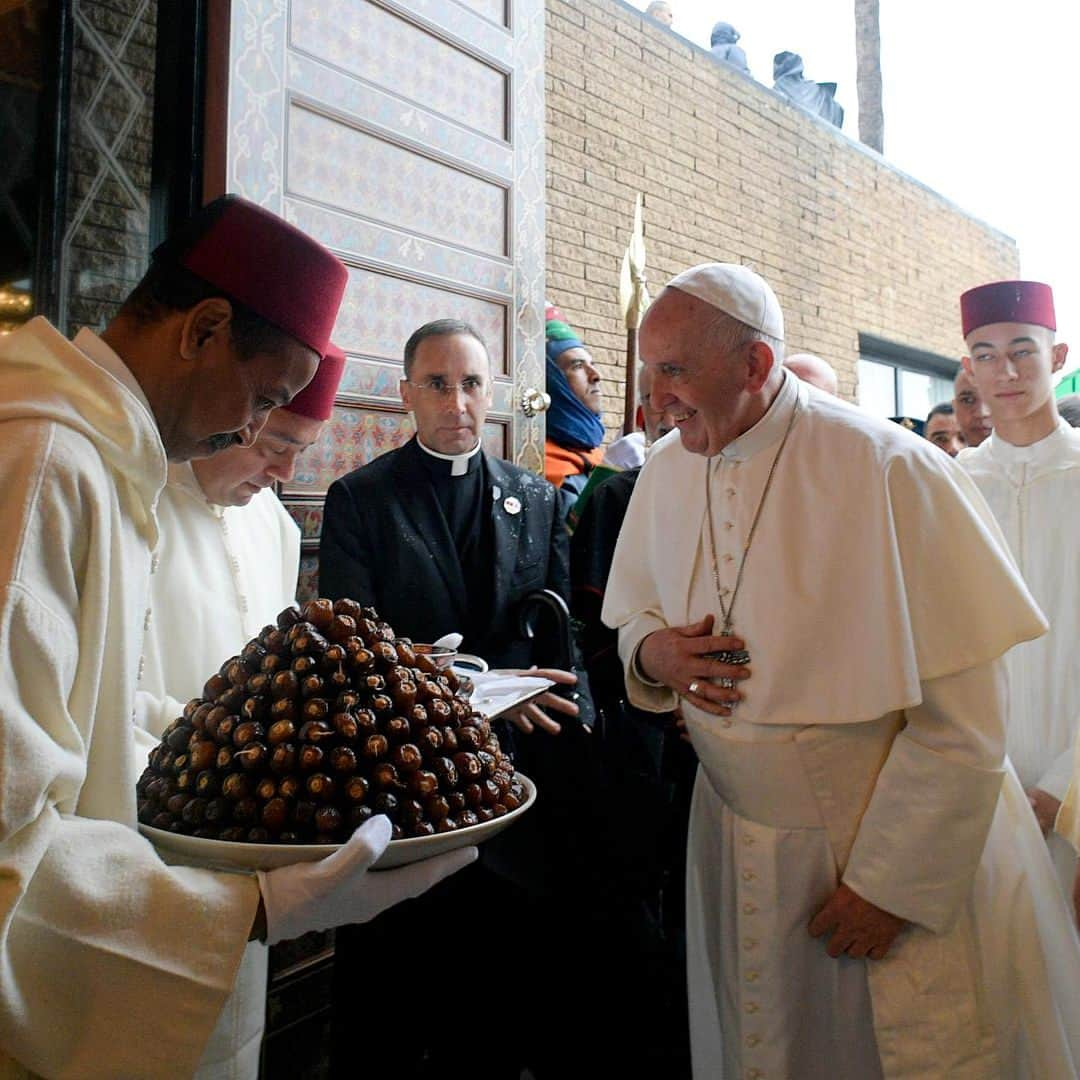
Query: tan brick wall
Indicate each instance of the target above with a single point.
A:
(729, 171)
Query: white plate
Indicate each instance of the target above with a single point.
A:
(497, 692)
(226, 855)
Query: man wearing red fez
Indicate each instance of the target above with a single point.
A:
(1029, 471)
(115, 963)
(228, 556)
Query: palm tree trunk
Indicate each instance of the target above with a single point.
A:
(868, 74)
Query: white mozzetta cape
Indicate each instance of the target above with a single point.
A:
(858, 560)
(1034, 492)
(219, 575)
(868, 749)
(112, 964)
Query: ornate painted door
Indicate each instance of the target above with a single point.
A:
(406, 135)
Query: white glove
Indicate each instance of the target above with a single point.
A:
(339, 889)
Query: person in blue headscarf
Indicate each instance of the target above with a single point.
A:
(574, 428)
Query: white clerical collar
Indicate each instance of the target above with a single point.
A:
(459, 463)
(1044, 452)
(771, 427)
(90, 345)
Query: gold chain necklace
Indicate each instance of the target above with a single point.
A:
(738, 656)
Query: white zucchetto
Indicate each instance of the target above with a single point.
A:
(737, 291)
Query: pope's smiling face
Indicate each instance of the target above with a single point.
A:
(944, 432)
(708, 386)
(1013, 365)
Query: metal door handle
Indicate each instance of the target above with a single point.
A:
(534, 401)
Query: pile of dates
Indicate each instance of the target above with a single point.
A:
(322, 721)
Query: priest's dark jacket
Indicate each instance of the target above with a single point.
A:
(392, 531)
(436, 553)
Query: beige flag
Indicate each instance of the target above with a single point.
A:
(633, 293)
(633, 300)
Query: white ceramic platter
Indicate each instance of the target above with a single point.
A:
(226, 855)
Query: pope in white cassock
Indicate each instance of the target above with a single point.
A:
(226, 563)
(1029, 472)
(868, 895)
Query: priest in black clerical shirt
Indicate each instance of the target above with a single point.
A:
(440, 536)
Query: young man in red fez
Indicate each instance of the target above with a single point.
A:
(116, 964)
(1029, 471)
(228, 556)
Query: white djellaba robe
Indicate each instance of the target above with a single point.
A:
(1034, 492)
(869, 750)
(219, 575)
(112, 964)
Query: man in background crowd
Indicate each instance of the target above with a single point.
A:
(723, 44)
(972, 414)
(943, 430)
(815, 371)
(1069, 409)
(574, 428)
(650, 768)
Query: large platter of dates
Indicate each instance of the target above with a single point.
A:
(322, 721)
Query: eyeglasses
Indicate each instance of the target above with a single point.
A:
(472, 386)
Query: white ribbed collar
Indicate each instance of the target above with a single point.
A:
(1044, 452)
(771, 427)
(459, 463)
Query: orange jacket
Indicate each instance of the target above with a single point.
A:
(559, 463)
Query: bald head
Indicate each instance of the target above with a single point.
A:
(813, 370)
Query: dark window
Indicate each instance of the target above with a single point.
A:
(896, 381)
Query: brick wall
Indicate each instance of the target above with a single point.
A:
(730, 171)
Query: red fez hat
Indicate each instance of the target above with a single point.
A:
(1008, 302)
(316, 400)
(270, 267)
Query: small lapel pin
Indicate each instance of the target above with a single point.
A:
(496, 493)
(512, 505)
